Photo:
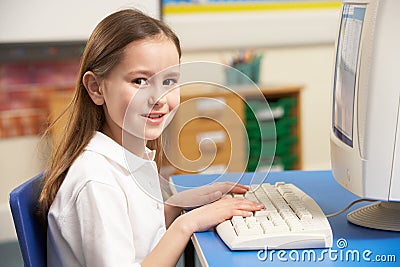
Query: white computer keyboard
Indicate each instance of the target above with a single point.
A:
(291, 220)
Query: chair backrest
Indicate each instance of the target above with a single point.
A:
(31, 231)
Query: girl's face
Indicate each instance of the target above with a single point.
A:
(140, 93)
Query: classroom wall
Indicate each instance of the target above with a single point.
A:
(20, 159)
(36, 15)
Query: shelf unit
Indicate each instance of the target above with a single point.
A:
(208, 133)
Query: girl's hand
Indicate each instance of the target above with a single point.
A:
(206, 194)
(205, 217)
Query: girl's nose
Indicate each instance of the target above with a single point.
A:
(159, 100)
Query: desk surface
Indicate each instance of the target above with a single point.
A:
(352, 245)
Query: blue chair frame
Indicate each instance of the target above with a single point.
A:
(31, 230)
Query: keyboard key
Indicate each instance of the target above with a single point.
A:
(238, 220)
(261, 213)
(250, 219)
(251, 196)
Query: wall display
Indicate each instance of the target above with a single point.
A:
(25, 91)
(251, 24)
(196, 6)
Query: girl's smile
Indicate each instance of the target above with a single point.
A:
(154, 117)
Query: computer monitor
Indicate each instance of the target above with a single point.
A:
(365, 133)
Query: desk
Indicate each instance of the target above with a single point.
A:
(379, 248)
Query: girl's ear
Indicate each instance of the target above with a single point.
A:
(92, 85)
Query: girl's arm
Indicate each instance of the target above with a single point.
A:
(171, 212)
(173, 243)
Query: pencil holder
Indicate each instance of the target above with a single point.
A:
(244, 73)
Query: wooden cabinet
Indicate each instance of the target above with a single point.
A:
(209, 135)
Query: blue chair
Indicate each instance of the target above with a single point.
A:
(31, 231)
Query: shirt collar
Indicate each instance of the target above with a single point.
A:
(104, 145)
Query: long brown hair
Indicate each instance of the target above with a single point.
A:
(103, 51)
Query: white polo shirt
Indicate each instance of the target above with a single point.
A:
(108, 211)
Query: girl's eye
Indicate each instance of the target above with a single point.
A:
(140, 81)
(169, 82)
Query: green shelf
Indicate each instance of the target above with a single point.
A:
(256, 108)
(271, 138)
(270, 129)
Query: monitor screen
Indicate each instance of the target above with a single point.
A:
(345, 71)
